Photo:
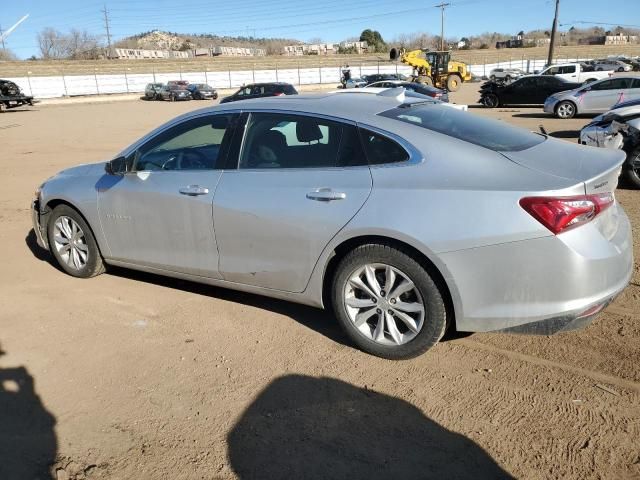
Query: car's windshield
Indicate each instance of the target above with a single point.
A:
(491, 134)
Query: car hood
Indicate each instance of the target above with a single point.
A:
(83, 170)
(567, 160)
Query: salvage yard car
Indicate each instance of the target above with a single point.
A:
(619, 128)
(529, 90)
(505, 74)
(405, 215)
(427, 90)
(260, 90)
(202, 91)
(596, 97)
(11, 96)
(174, 92)
(575, 72)
(152, 91)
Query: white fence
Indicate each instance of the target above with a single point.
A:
(98, 84)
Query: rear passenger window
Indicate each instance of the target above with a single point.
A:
(275, 141)
(380, 149)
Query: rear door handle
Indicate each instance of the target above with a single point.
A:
(194, 190)
(326, 195)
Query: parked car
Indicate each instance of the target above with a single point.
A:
(427, 90)
(379, 77)
(179, 83)
(575, 72)
(202, 91)
(529, 90)
(11, 96)
(406, 216)
(596, 97)
(611, 65)
(152, 91)
(258, 90)
(355, 83)
(173, 93)
(619, 128)
(505, 74)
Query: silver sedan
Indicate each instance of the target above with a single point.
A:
(595, 97)
(406, 217)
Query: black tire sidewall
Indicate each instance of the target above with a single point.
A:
(631, 177)
(94, 265)
(435, 321)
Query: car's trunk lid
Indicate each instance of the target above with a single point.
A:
(597, 169)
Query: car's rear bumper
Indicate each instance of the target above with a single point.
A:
(544, 285)
(38, 228)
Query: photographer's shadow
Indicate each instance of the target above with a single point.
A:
(321, 428)
(28, 443)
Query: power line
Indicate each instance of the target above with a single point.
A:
(584, 22)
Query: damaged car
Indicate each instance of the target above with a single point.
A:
(618, 129)
(11, 96)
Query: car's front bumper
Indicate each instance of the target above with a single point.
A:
(543, 285)
(38, 227)
(550, 105)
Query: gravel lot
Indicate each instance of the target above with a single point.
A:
(130, 375)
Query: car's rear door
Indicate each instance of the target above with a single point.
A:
(299, 180)
(160, 214)
(601, 96)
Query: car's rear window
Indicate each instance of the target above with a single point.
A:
(491, 134)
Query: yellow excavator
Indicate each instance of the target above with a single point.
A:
(433, 68)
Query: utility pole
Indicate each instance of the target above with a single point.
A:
(442, 6)
(106, 26)
(553, 34)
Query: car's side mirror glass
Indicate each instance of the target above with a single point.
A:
(117, 166)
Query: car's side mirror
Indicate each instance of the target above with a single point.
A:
(117, 166)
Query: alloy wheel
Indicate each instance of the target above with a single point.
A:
(70, 243)
(566, 110)
(384, 304)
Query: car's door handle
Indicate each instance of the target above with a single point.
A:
(326, 195)
(194, 190)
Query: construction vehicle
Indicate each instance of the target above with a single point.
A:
(433, 67)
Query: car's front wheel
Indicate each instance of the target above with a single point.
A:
(491, 100)
(387, 303)
(72, 243)
(566, 109)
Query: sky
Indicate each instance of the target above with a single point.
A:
(329, 20)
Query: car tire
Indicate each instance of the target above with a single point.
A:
(405, 332)
(565, 110)
(621, 69)
(491, 100)
(631, 169)
(72, 243)
(3, 107)
(172, 98)
(492, 78)
(507, 78)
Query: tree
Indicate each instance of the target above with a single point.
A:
(51, 44)
(374, 40)
(77, 44)
(6, 54)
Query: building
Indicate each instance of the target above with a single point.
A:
(620, 39)
(237, 51)
(323, 48)
(142, 54)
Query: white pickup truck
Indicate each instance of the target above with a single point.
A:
(575, 72)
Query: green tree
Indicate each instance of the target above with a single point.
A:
(374, 40)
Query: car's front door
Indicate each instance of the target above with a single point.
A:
(299, 180)
(160, 213)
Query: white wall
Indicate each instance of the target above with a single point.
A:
(71, 85)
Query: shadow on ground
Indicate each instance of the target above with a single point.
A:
(321, 321)
(28, 443)
(322, 428)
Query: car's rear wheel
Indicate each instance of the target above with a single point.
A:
(491, 100)
(632, 169)
(566, 109)
(72, 243)
(387, 303)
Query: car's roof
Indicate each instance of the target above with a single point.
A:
(356, 106)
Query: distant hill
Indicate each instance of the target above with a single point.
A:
(159, 40)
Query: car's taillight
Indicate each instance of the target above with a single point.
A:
(559, 214)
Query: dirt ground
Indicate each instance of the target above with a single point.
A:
(134, 376)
